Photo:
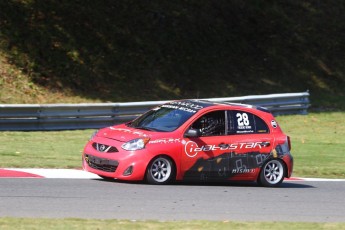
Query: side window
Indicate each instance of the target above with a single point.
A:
(242, 122)
(261, 126)
(211, 124)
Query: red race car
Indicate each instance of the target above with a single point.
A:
(193, 140)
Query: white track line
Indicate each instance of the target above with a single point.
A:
(322, 179)
(80, 174)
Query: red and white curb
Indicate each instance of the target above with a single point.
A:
(46, 173)
(80, 174)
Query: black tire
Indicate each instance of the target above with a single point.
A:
(272, 173)
(161, 170)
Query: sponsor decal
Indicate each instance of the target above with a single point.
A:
(179, 108)
(226, 165)
(128, 131)
(187, 105)
(192, 149)
(183, 106)
(274, 124)
(166, 141)
(262, 131)
(245, 131)
(243, 170)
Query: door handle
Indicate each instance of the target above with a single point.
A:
(223, 146)
(265, 144)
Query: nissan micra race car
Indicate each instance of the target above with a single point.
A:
(193, 140)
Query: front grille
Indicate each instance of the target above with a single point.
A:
(101, 163)
(104, 148)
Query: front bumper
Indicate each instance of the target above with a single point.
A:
(102, 164)
(123, 165)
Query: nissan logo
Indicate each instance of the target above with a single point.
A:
(102, 148)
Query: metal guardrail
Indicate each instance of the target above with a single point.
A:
(28, 117)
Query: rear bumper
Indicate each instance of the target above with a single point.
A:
(288, 159)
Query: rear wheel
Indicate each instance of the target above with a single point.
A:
(272, 173)
(160, 171)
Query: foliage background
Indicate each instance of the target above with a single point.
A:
(97, 51)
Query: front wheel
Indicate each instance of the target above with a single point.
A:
(272, 173)
(160, 171)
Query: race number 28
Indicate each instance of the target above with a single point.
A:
(242, 119)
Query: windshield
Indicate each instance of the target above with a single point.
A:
(162, 119)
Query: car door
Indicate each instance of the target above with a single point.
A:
(250, 143)
(204, 158)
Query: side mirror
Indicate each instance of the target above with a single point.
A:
(192, 133)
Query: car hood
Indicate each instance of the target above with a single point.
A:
(122, 133)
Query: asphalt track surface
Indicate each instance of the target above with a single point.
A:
(297, 201)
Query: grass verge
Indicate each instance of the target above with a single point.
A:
(317, 146)
(52, 149)
(28, 224)
(318, 143)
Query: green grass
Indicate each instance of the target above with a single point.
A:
(53, 149)
(318, 143)
(318, 146)
(57, 224)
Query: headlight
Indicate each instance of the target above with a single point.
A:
(93, 135)
(135, 144)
